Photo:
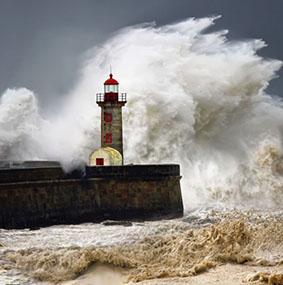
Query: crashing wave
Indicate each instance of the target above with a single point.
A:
(195, 98)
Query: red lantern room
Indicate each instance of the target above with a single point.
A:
(111, 91)
(111, 85)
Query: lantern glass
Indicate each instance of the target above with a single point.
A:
(111, 88)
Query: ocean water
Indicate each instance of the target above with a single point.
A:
(194, 98)
(148, 250)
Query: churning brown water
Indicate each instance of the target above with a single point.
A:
(165, 249)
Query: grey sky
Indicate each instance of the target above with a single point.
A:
(41, 42)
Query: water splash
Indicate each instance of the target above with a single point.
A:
(195, 98)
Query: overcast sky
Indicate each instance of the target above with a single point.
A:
(42, 42)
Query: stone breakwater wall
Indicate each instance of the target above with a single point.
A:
(43, 196)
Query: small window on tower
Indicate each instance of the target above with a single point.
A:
(108, 138)
(107, 117)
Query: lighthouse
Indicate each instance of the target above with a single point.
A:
(111, 103)
(106, 189)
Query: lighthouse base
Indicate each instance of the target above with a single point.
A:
(43, 195)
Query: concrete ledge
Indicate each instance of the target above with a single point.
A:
(56, 173)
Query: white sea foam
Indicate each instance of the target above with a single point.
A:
(194, 98)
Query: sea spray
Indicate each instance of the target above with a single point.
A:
(19, 125)
(194, 98)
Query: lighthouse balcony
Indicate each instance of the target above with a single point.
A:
(111, 97)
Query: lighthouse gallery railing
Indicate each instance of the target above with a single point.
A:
(122, 97)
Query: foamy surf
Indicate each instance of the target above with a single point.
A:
(163, 249)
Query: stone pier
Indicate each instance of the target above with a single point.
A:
(39, 196)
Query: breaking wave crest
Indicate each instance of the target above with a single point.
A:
(194, 98)
(234, 238)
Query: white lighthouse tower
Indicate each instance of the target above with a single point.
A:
(111, 103)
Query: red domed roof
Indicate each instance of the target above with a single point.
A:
(111, 80)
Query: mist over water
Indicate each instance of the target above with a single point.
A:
(194, 98)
